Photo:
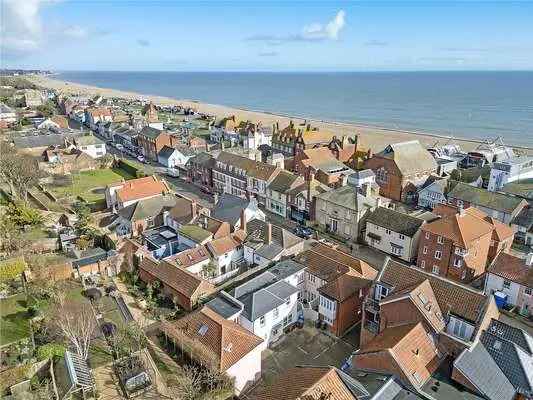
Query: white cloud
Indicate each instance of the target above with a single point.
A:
(75, 32)
(312, 32)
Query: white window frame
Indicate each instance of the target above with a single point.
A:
(435, 270)
(439, 257)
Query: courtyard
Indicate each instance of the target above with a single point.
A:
(306, 346)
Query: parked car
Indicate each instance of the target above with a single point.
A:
(303, 231)
(206, 189)
(141, 159)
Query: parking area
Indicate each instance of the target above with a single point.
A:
(306, 346)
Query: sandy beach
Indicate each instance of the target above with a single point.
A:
(372, 137)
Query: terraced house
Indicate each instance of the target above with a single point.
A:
(278, 190)
(242, 177)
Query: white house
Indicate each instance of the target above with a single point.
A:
(393, 232)
(237, 350)
(431, 192)
(122, 194)
(227, 254)
(269, 306)
(177, 157)
(512, 276)
(230, 209)
(90, 145)
(93, 115)
(514, 169)
(359, 178)
(277, 192)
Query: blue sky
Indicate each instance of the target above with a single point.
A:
(266, 35)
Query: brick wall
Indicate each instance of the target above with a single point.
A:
(349, 312)
(393, 187)
(183, 301)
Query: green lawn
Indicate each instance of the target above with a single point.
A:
(14, 324)
(89, 185)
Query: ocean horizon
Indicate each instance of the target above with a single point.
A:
(463, 104)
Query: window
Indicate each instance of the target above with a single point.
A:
(381, 175)
(417, 377)
(463, 275)
(436, 269)
(425, 250)
(387, 231)
(528, 291)
(440, 240)
(381, 292)
(457, 262)
(438, 255)
(460, 203)
(402, 237)
(288, 302)
(276, 312)
(427, 235)
(506, 284)
(262, 321)
(423, 264)
(397, 250)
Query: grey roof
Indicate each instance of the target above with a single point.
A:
(477, 365)
(225, 305)
(284, 181)
(87, 140)
(395, 221)
(381, 386)
(524, 218)
(518, 336)
(515, 363)
(346, 196)
(364, 173)
(150, 132)
(286, 268)
(281, 238)
(89, 256)
(482, 197)
(166, 152)
(51, 139)
(262, 294)
(147, 208)
(229, 207)
(433, 180)
(410, 157)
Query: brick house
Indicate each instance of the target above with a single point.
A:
(200, 169)
(401, 168)
(454, 314)
(152, 141)
(178, 284)
(122, 194)
(295, 138)
(277, 192)
(335, 285)
(301, 200)
(460, 244)
(322, 164)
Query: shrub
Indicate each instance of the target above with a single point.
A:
(11, 269)
(50, 350)
(22, 215)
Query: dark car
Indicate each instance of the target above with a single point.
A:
(303, 231)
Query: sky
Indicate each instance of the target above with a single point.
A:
(251, 35)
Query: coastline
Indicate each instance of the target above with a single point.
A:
(374, 137)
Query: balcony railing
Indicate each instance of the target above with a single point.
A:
(371, 305)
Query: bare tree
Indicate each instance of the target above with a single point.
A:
(20, 171)
(77, 324)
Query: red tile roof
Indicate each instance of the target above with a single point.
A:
(189, 257)
(225, 340)
(141, 188)
(513, 269)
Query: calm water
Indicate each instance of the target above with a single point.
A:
(464, 104)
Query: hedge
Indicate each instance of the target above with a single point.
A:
(129, 167)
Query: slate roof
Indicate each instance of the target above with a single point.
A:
(410, 157)
(229, 208)
(477, 365)
(166, 152)
(87, 140)
(482, 197)
(460, 300)
(285, 268)
(524, 218)
(262, 294)
(285, 181)
(347, 197)
(513, 269)
(225, 305)
(147, 208)
(150, 132)
(516, 364)
(52, 139)
(227, 341)
(282, 239)
(253, 168)
(395, 221)
(89, 256)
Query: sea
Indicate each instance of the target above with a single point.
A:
(472, 105)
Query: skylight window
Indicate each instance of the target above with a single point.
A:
(203, 330)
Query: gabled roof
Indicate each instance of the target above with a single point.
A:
(194, 232)
(347, 197)
(494, 200)
(256, 169)
(477, 365)
(189, 257)
(147, 208)
(223, 245)
(182, 212)
(140, 188)
(177, 278)
(151, 133)
(285, 181)
(395, 221)
(87, 140)
(257, 231)
(410, 157)
(452, 297)
(310, 382)
(229, 207)
(227, 341)
(166, 152)
(344, 287)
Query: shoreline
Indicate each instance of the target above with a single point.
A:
(375, 137)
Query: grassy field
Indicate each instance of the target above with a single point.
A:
(14, 324)
(90, 185)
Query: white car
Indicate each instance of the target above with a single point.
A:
(140, 158)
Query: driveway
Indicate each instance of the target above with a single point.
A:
(306, 346)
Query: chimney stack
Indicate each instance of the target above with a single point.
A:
(309, 185)
(243, 220)
(269, 233)
(193, 209)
